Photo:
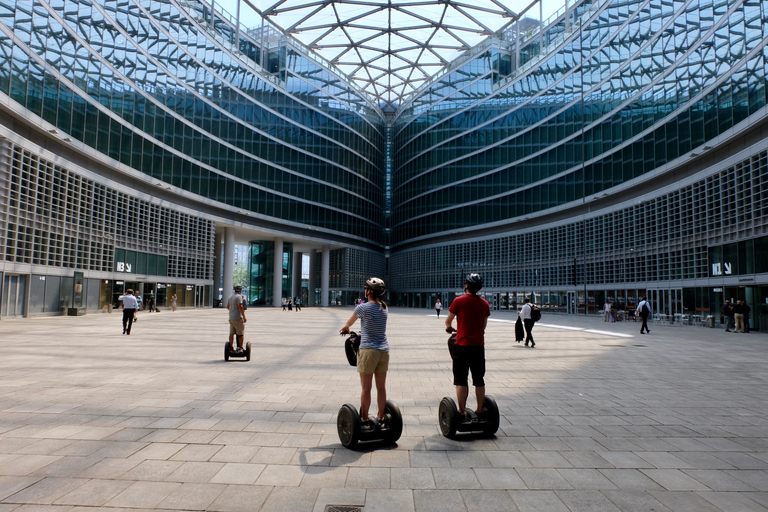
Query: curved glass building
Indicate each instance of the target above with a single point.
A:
(614, 150)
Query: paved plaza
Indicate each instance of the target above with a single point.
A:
(595, 418)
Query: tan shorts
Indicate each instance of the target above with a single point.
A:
(237, 327)
(370, 360)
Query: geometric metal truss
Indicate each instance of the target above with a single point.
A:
(388, 48)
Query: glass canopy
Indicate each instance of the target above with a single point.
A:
(389, 48)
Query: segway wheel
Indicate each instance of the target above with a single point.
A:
(348, 425)
(248, 351)
(448, 415)
(226, 351)
(395, 422)
(491, 412)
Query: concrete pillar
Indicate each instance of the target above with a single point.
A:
(325, 277)
(312, 278)
(229, 261)
(218, 240)
(277, 277)
(296, 280)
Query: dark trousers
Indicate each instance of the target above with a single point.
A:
(645, 323)
(528, 323)
(128, 319)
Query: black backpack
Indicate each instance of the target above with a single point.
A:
(535, 313)
(645, 309)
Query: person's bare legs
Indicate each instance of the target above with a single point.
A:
(381, 394)
(240, 338)
(480, 394)
(462, 392)
(232, 340)
(366, 381)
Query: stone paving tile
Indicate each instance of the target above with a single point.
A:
(732, 502)
(369, 478)
(240, 498)
(380, 500)
(488, 501)
(192, 496)
(27, 464)
(587, 479)
(587, 501)
(322, 477)
(412, 478)
(635, 501)
(152, 470)
(684, 501)
(438, 501)
(674, 480)
(94, 493)
(538, 501)
(143, 495)
(10, 485)
(238, 473)
(282, 499)
(46, 491)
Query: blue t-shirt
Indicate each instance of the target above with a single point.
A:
(373, 331)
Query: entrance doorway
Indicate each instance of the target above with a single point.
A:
(13, 296)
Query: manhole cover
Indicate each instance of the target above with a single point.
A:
(343, 508)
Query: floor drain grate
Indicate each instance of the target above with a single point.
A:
(343, 508)
(640, 345)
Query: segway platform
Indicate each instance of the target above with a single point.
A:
(228, 352)
(350, 426)
(485, 423)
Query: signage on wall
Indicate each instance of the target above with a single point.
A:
(123, 266)
(725, 269)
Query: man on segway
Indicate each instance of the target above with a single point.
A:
(236, 319)
(471, 313)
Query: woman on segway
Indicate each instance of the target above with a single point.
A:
(373, 356)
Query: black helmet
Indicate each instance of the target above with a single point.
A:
(474, 282)
(376, 285)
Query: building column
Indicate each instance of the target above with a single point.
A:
(326, 276)
(277, 276)
(218, 240)
(312, 280)
(296, 281)
(229, 262)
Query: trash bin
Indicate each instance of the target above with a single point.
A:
(711, 321)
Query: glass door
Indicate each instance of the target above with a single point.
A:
(13, 296)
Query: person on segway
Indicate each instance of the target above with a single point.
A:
(471, 312)
(373, 356)
(237, 319)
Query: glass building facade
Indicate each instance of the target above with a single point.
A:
(621, 157)
(617, 150)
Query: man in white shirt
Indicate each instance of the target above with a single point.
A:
(643, 310)
(525, 314)
(130, 305)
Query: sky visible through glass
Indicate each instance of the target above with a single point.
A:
(389, 48)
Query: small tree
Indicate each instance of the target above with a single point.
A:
(240, 276)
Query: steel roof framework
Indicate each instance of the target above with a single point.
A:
(389, 48)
